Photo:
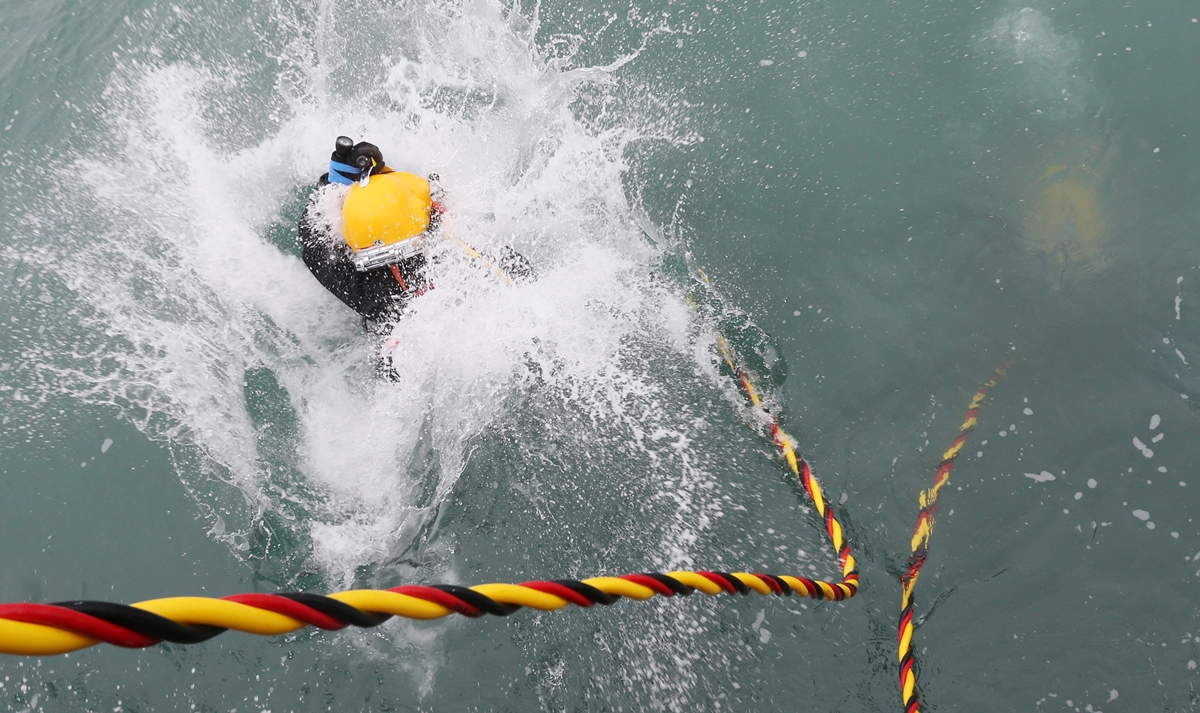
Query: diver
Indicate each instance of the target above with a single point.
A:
(387, 220)
(377, 264)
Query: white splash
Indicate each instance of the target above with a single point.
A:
(188, 296)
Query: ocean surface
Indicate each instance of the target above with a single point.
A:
(889, 201)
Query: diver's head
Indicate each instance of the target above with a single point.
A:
(350, 161)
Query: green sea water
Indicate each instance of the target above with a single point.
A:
(888, 199)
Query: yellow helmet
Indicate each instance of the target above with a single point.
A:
(392, 207)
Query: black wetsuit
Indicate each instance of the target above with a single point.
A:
(378, 295)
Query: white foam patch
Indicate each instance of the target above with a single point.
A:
(1146, 451)
(1044, 477)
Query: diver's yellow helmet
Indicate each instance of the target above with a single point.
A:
(392, 207)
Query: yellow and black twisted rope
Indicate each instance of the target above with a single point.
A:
(920, 542)
(799, 466)
(44, 629)
(787, 447)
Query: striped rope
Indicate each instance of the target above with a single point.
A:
(480, 258)
(920, 542)
(45, 629)
(799, 466)
(787, 448)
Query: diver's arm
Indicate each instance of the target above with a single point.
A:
(333, 271)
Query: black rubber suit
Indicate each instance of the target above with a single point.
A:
(378, 295)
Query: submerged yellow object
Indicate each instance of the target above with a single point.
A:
(390, 208)
(1065, 215)
(1066, 219)
(1070, 201)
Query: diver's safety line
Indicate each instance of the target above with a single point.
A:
(920, 542)
(45, 629)
(476, 255)
(848, 586)
(399, 278)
